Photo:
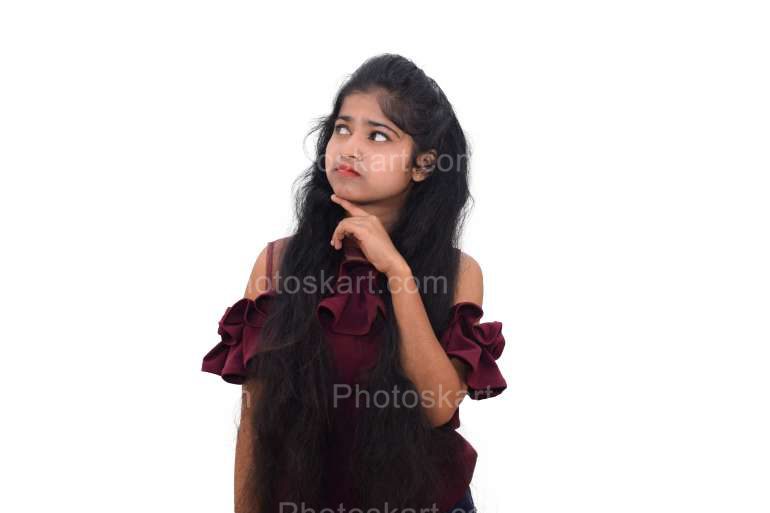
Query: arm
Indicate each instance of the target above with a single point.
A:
(244, 448)
(437, 377)
(250, 392)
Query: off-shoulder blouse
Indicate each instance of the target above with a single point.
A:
(349, 317)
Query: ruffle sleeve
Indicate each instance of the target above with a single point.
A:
(478, 345)
(240, 329)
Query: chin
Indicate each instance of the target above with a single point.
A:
(350, 193)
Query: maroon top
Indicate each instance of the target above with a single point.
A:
(349, 318)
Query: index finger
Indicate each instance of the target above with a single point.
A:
(349, 206)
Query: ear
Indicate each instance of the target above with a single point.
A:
(426, 163)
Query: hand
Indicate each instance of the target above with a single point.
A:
(371, 235)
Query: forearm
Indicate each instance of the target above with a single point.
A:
(242, 465)
(424, 360)
(244, 451)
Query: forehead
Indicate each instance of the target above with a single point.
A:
(362, 105)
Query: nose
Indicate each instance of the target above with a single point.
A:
(351, 148)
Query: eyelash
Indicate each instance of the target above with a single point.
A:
(337, 127)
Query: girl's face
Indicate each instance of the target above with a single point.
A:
(367, 141)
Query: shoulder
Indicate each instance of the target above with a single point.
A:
(279, 245)
(258, 282)
(470, 280)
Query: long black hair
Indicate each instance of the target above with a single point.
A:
(398, 456)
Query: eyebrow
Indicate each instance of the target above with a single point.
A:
(371, 123)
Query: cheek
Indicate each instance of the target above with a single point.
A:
(330, 155)
(389, 170)
(392, 163)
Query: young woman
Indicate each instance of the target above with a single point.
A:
(352, 384)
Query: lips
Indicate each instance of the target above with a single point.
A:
(347, 170)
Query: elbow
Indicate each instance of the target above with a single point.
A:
(445, 412)
(442, 416)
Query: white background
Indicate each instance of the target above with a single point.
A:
(620, 171)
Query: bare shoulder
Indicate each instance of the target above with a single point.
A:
(258, 282)
(279, 245)
(470, 280)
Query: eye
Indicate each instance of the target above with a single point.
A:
(382, 134)
(375, 133)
